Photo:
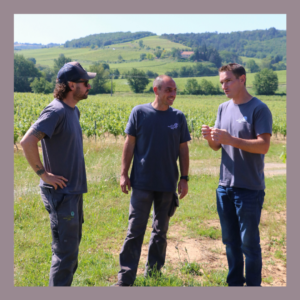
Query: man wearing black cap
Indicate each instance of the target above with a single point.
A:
(62, 174)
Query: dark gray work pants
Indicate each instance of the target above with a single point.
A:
(66, 218)
(140, 206)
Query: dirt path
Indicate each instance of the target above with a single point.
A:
(198, 167)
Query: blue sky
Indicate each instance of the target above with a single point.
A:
(58, 28)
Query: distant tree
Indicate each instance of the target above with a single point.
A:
(32, 59)
(176, 53)
(59, 63)
(252, 66)
(141, 43)
(165, 53)
(49, 74)
(137, 80)
(215, 58)
(279, 66)
(230, 57)
(276, 59)
(24, 73)
(186, 72)
(120, 57)
(116, 73)
(265, 64)
(265, 82)
(150, 56)
(208, 88)
(41, 86)
(143, 56)
(105, 66)
(99, 82)
(158, 53)
(192, 87)
(151, 74)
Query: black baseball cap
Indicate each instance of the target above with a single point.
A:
(73, 71)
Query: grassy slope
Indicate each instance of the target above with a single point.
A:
(106, 215)
(86, 56)
(245, 59)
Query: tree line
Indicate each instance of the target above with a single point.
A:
(254, 43)
(105, 39)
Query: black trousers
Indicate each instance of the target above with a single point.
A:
(66, 218)
(139, 210)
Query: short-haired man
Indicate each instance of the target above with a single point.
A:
(157, 135)
(62, 174)
(243, 130)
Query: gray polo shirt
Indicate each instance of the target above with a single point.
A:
(240, 168)
(62, 146)
(158, 136)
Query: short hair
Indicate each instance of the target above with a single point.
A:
(158, 81)
(235, 68)
(61, 90)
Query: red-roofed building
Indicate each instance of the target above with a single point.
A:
(186, 54)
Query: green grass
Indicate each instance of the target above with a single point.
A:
(152, 42)
(268, 279)
(246, 59)
(106, 220)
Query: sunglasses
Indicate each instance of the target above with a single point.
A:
(86, 82)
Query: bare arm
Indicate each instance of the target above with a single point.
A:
(29, 144)
(184, 162)
(260, 145)
(126, 160)
(206, 132)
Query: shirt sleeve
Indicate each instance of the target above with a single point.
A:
(47, 122)
(131, 124)
(184, 131)
(262, 120)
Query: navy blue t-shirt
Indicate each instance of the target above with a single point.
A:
(158, 136)
(62, 146)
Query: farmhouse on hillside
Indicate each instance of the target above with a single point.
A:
(186, 54)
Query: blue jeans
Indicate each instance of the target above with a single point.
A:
(239, 211)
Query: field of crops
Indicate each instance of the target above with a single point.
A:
(103, 113)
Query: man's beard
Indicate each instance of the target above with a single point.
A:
(80, 96)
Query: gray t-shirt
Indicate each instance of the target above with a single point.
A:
(62, 146)
(240, 168)
(158, 136)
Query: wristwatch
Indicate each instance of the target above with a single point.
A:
(185, 177)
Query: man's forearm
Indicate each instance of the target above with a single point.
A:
(32, 155)
(258, 146)
(214, 145)
(184, 160)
